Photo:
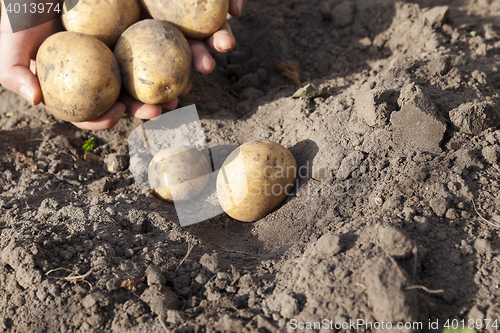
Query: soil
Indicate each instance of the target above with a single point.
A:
(396, 216)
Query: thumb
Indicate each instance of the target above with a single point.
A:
(15, 62)
(21, 80)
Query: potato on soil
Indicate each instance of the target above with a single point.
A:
(155, 61)
(178, 174)
(105, 20)
(195, 18)
(79, 76)
(255, 179)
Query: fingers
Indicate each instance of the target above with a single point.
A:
(15, 73)
(108, 120)
(17, 53)
(21, 80)
(170, 104)
(235, 7)
(222, 40)
(202, 60)
(138, 109)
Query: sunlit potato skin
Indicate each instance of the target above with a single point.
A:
(195, 18)
(78, 75)
(105, 20)
(178, 174)
(255, 179)
(155, 61)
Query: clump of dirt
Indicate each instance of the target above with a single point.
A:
(395, 217)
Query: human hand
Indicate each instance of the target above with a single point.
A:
(17, 56)
(17, 67)
(221, 41)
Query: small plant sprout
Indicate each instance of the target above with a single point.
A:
(90, 144)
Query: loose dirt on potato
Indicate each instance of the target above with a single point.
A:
(395, 218)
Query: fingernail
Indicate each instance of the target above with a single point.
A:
(27, 93)
(207, 62)
(226, 47)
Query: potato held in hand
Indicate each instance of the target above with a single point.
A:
(255, 179)
(178, 174)
(104, 20)
(155, 61)
(79, 76)
(196, 19)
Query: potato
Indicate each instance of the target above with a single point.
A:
(78, 75)
(105, 20)
(178, 173)
(155, 61)
(195, 18)
(255, 179)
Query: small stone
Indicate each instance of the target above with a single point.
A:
(247, 280)
(221, 284)
(373, 106)
(393, 202)
(113, 284)
(155, 276)
(135, 308)
(439, 66)
(115, 163)
(328, 245)
(439, 205)
(212, 293)
(482, 246)
(350, 163)
(342, 15)
(92, 299)
(436, 16)
(418, 175)
(326, 162)
(418, 124)
(54, 290)
(201, 279)
(160, 299)
(289, 306)
(41, 294)
(475, 117)
(452, 214)
(101, 185)
(128, 253)
(491, 154)
(213, 262)
(174, 317)
(18, 300)
(394, 242)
